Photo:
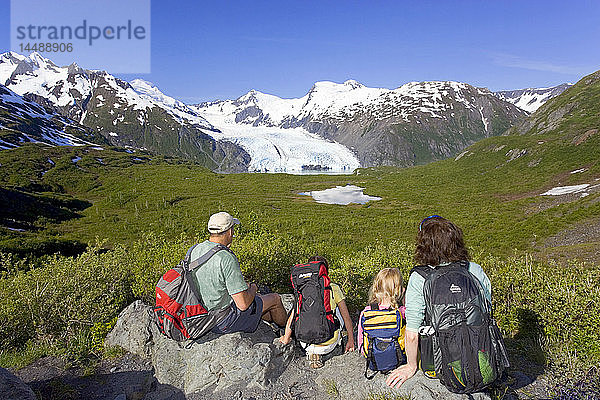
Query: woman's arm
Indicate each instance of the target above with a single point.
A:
(348, 324)
(398, 376)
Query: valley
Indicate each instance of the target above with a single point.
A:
(99, 220)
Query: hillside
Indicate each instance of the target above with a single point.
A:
(23, 121)
(528, 202)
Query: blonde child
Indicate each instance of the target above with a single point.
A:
(387, 291)
(314, 352)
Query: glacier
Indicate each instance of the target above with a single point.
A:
(274, 149)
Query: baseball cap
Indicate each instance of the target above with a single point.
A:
(221, 221)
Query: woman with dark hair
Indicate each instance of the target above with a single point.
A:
(439, 243)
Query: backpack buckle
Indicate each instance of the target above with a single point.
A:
(426, 331)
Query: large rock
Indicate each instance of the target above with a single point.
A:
(344, 376)
(214, 362)
(12, 388)
(222, 365)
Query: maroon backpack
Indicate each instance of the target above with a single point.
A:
(180, 313)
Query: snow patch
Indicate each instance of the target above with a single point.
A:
(461, 155)
(560, 190)
(342, 195)
(578, 171)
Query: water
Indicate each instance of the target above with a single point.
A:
(342, 195)
(309, 172)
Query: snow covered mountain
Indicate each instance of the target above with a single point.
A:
(136, 114)
(413, 124)
(23, 121)
(531, 99)
(334, 127)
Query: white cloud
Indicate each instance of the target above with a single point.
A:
(509, 60)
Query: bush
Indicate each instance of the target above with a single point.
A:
(149, 258)
(553, 305)
(70, 303)
(266, 258)
(63, 298)
(355, 272)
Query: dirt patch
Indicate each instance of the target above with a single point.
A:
(586, 232)
(581, 242)
(582, 138)
(588, 253)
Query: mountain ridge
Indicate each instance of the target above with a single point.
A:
(334, 126)
(412, 124)
(530, 99)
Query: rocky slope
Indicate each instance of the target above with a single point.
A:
(413, 124)
(23, 121)
(574, 115)
(135, 115)
(531, 99)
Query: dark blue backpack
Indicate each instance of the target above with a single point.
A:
(383, 340)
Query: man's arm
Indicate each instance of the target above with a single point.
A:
(287, 336)
(244, 298)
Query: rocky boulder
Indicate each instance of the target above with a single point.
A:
(256, 366)
(12, 388)
(343, 377)
(215, 362)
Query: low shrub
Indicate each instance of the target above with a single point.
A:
(64, 297)
(70, 303)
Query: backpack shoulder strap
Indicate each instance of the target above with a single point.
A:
(188, 255)
(205, 257)
(374, 306)
(424, 270)
(189, 267)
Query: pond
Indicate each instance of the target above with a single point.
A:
(342, 195)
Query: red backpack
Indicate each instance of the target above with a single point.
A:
(180, 313)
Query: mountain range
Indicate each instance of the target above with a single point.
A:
(336, 127)
(531, 99)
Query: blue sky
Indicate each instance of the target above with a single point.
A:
(206, 50)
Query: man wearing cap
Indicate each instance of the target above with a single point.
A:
(222, 285)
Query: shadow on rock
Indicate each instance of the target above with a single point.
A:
(527, 357)
(129, 385)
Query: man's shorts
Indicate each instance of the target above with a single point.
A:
(241, 321)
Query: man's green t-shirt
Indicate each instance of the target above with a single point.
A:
(218, 278)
